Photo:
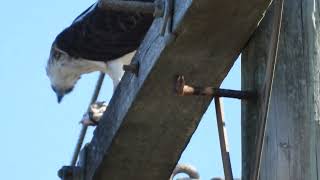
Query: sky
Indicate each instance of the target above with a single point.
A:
(37, 134)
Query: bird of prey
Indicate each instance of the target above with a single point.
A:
(97, 40)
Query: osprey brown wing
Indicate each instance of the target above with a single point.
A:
(104, 35)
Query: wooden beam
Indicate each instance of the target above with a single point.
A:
(292, 135)
(146, 126)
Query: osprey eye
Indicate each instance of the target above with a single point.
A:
(56, 54)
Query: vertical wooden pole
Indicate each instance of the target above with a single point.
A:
(291, 147)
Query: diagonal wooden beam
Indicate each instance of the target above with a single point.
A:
(146, 126)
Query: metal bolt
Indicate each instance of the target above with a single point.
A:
(180, 83)
(182, 89)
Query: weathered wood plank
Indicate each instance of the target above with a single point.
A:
(291, 147)
(146, 126)
(264, 95)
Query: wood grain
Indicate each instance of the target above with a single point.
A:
(146, 126)
(291, 147)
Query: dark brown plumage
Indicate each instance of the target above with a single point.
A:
(104, 35)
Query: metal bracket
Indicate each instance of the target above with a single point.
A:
(75, 172)
(185, 90)
(71, 173)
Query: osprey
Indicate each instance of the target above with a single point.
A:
(97, 40)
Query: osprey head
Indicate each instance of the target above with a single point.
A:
(61, 72)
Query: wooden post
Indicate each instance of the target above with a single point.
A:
(291, 148)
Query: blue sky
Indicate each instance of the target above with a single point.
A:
(38, 135)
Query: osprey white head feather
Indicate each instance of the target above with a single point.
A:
(64, 71)
(97, 40)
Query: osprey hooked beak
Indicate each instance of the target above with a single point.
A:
(59, 97)
(61, 93)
